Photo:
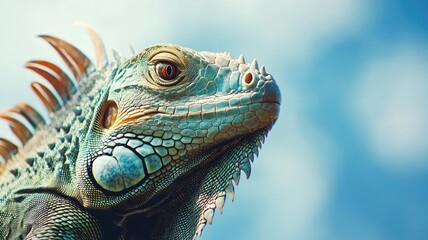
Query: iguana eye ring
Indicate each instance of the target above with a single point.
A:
(166, 68)
(166, 71)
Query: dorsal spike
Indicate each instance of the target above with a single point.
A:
(46, 96)
(100, 51)
(219, 202)
(58, 73)
(230, 191)
(236, 176)
(117, 56)
(29, 113)
(4, 154)
(7, 148)
(14, 172)
(20, 130)
(246, 167)
(132, 49)
(263, 70)
(254, 65)
(78, 63)
(241, 59)
(58, 85)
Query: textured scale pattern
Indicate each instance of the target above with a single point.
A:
(142, 148)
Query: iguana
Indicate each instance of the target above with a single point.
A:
(140, 148)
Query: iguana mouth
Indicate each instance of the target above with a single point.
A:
(145, 114)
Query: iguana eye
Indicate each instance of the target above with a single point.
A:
(165, 68)
(167, 71)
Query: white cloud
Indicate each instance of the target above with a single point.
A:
(391, 106)
(300, 29)
(289, 30)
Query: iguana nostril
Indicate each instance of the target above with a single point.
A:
(109, 114)
(248, 78)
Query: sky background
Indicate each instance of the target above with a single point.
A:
(348, 157)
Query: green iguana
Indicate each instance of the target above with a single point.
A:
(142, 148)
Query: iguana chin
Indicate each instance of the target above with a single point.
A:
(143, 148)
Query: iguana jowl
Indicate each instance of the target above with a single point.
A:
(143, 148)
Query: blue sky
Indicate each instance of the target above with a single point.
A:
(348, 157)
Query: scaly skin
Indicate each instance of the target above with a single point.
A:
(146, 148)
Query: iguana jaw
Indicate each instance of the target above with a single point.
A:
(195, 163)
(206, 193)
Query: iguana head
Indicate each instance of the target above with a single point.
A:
(153, 142)
(168, 113)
